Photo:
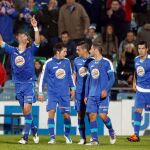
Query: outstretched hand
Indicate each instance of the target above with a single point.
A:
(33, 22)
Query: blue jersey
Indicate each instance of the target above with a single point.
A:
(142, 74)
(80, 68)
(22, 63)
(57, 74)
(101, 77)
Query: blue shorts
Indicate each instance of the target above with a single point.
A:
(142, 100)
(62, 101)
(25, 92)
(97, 105)
(79, 103)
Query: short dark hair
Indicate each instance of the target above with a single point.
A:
(58, 47)
(98, 45)
(84, 45)
(143, 43)
(65, 32)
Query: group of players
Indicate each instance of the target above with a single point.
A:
(89, 84)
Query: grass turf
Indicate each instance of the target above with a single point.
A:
(9, 142)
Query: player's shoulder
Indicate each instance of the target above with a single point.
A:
(48, 61)
(106, 60)
(136, 58)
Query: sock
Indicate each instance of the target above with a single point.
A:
(81, 126)
(33, 128)
(94, 130)
(137, 122)
(51, 125)
(27, 127)
(67, 123)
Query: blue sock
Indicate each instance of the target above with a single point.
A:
(137, 122)
(108, 124)
(27, 127)
(51, 125)
(94, 130)
(67, 123)
(81, 126)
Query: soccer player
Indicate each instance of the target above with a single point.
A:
(80, 75)
(97, 93)
(57, 74)
(23, 72)
(142, 86)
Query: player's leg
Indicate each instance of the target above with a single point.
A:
(64, 105)
(51, 126)
(81, 127)
(80, 108)
(103, 111)
(51, 109)
(92, 110)
(139, 105)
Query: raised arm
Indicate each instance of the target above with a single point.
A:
(36, 30)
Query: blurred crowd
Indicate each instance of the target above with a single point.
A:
(117, 24)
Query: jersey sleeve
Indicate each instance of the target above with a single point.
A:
(111, 76)
(43, 79)
(70, 77)
(34, 47)
(74, 67)
(7, 48)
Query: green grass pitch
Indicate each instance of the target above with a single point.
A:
(9, 142)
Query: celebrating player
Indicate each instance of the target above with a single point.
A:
(22, 62)
(57, 74)
(142, 98)
(80, 75)
(98, 85)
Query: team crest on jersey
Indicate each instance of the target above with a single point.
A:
(95, 73)
(83, 71)
(19, 61)
(60, 73)
(140, 71)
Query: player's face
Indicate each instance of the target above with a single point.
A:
(92, 51)
(63, 53)
(142, 50)
(80, 51)
(22, 38)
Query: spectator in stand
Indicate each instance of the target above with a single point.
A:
(130, 39)
(125, 69)
(3, 75)
(92, 35)
(127, 6)
(144, 33)
(116, 16)
(110, 42)
(70, 45)
(74, 19)
(31, 9)
(38, 70)
(49, 21)
(8, 15)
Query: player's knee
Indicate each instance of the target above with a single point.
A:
(51, 114)
(139, 110)
(26, 111)
(81, 115)
(103, 116)
(92, 117)
(66, 115)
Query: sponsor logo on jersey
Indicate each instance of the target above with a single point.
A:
(95, 73)
(19, 61)
(83, 71)
(60, 74)
(140, 71)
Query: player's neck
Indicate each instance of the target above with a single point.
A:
(22, 47)
(142, 58)
(98, 57)
(85, 55)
